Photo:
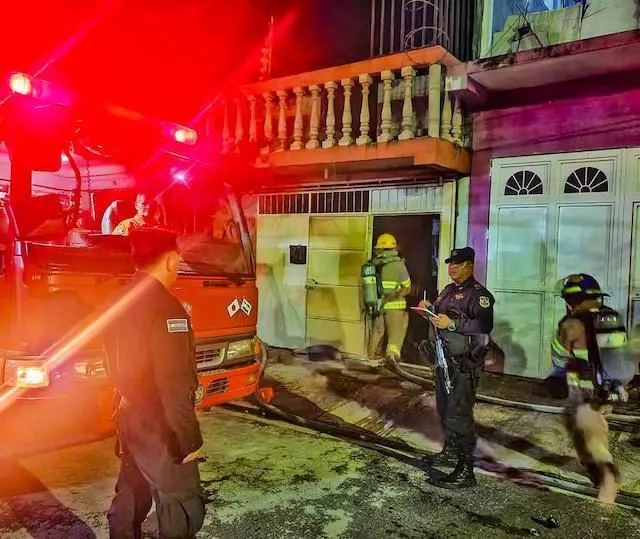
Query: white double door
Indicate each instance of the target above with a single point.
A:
(551, 216)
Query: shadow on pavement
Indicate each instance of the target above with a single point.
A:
(36, 508)
(402, 410)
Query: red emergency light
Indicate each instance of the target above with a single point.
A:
(19, 83)
(25, 85)
(184, 135)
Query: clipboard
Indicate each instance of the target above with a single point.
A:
(427, 313)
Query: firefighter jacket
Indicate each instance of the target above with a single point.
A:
(591, 349)
(393, 276)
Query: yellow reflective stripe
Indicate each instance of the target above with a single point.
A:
(572, 289)
(616, 339)
(581, 353)
(575, 381)
(393, 350)
(396, 304)
(406, 283)
(559, 348)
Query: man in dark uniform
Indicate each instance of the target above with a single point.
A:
(150, 358)
(464, 322)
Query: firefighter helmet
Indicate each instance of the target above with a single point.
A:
(386, 241)
(581, 284)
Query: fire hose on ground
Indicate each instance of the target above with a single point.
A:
(618, 422)
(405, 452)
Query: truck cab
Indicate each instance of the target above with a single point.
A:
(63, 255)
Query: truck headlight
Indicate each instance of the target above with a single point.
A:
(239, 349)
(26, 374)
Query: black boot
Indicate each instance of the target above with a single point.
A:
(461, 477)
(447, 457)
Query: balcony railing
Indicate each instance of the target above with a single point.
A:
(372, 103)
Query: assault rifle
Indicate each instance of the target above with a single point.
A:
(441, 358)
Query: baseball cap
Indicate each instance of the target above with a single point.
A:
(149, 244)
(464, 254)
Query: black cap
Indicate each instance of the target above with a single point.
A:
(458, 256)
(149, 244)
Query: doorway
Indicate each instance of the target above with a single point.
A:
(418, 243)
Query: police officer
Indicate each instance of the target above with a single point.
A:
(395, 286)
(150, 358)
(591, 349)
(464, 322)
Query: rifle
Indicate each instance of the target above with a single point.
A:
(441, 358)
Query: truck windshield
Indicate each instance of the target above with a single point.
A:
(212, 235)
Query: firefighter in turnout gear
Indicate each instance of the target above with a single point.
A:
(464, 322)
(390, 316)
(591, 349)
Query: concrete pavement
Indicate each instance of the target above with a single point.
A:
(393, 407)
(272, 480)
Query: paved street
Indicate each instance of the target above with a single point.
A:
(272, 480)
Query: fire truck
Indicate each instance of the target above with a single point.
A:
(65, 193)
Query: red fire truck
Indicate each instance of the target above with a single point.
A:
(59, 261)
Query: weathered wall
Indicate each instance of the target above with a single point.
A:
(585, 115)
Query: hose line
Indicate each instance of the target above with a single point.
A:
(405, 452)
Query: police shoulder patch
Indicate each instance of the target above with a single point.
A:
(177, 325)
(484, 302)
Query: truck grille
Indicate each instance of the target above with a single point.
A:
(217, 386)
(209, 355)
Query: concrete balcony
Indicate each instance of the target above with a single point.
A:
(382, 116)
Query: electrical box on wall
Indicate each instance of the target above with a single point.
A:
(297, 254)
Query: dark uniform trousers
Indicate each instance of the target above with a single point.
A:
(150, 471)
(470, 306)
(456, 409)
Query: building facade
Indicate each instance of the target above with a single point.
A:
(555, 181)
(338, 155)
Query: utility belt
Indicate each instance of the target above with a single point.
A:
(467, 362)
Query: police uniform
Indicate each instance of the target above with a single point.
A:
(394, 319)
(590, 349)
(470, 307)
(151, 361)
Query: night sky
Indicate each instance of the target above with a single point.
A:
(168, 58)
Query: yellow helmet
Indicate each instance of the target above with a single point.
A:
(386, 241)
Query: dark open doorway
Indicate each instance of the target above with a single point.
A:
(418, 242)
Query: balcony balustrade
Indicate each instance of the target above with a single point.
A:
(392, 106)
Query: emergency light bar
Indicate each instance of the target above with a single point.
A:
(25, 85)
(22, 84)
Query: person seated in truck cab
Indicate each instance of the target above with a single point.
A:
(223, 227)
(147, 215)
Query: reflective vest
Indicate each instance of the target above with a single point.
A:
(606, 362)
(393, 276)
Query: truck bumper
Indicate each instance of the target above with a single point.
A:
(57, 416)
(227, 385)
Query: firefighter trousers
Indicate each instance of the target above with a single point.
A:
(394, 323)
(149, 472)
(589, 431)
(456, 409)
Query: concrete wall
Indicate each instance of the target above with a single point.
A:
(598, 18)
(586, 115)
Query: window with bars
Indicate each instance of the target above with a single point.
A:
(340, 202)
(284, 203)
(355, 201)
